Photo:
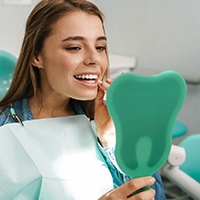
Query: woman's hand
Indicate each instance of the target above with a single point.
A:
(104, 124)
(124, 192)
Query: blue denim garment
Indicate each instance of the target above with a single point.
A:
(23, 110)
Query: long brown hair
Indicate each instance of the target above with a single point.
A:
(26, 79)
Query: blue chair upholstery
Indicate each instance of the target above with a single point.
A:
(7, 65)
(191, 166)
(179, 129)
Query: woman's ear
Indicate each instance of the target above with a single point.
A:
(36, 62)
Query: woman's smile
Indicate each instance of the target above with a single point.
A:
(88, 80)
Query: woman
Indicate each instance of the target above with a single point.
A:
(60, 72)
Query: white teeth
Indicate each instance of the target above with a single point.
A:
(87, 76)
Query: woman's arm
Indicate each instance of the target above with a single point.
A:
(104, 125)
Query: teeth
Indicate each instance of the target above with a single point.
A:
(87, 76)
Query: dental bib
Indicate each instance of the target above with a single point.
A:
(143, 109)
(50, 159)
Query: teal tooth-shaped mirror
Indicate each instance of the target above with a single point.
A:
(144, 109)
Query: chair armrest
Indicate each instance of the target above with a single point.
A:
(176, 156)
(182, 180)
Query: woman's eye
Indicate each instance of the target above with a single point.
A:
(73, 48)
(101, 48)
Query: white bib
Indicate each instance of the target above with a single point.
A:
(52, 159)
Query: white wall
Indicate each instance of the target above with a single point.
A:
(12, 22)
(162, 35)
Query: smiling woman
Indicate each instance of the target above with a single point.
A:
(76, 51)
(57, 90)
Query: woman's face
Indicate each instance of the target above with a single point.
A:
(73, 57)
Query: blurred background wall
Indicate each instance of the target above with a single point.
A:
(160, 34)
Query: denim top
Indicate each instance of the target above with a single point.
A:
(23, 110)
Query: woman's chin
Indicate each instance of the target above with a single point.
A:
(87, 97)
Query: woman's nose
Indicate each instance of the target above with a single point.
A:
(92, 58)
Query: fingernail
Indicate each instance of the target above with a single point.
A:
(99, 81)
(109, 80)
(152, 180)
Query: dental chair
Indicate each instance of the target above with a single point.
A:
(183, 166)
(7, 65)
(179, 129)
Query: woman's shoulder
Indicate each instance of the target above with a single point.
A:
(3, 117)
(21, 108)
(23, 111)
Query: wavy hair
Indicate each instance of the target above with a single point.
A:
(26, 78)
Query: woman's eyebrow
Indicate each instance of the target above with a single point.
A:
(102, 38)
(71, 38)
(75, 38)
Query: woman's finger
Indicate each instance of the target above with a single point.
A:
(147, 194)
(126, 190)
(109, 80)
(134, 185)
(105, 85)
